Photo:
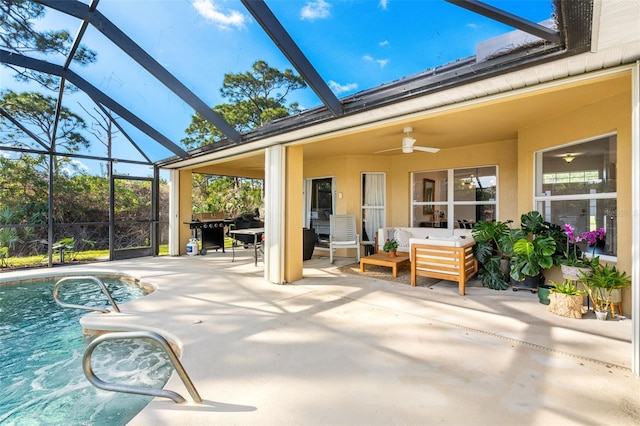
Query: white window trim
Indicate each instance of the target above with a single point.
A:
(451, 203)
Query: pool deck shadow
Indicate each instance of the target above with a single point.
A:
(342, 349)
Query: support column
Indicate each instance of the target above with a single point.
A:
(174, 213)
(293, 214)
(185, 212)
(274, 245)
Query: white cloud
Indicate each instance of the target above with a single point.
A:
(317, 9)
(383, 4)
(75, 166)
(341, 88)
(211, 12)
(381, 62)
(383, 43)
(472, 26)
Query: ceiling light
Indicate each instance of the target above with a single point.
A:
(568, 158)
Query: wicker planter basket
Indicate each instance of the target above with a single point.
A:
(573, 272)
(566, 306)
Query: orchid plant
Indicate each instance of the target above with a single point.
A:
(573, 255)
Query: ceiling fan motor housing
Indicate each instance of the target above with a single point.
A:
(407, 144)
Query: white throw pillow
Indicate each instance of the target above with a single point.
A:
(402, 237)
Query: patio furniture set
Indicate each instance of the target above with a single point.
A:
(445, 254)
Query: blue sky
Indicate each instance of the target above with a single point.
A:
(355, 45)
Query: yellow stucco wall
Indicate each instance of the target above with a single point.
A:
(293, 215)
(347, 171)
(611, 115)
(184, 209)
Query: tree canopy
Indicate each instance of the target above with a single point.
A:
(37, 113)
(256, 97)
(18, 34)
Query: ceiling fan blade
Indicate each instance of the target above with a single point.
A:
(387, 150)
(426, 149)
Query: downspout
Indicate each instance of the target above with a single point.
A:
(635, 218)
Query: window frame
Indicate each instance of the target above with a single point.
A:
(364, 206)
(450, 204)
(540, 198)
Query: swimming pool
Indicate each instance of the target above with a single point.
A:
(41, 349)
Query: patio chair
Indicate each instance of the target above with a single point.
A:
(343, 234)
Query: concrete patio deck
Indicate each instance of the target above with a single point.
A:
(339, 349)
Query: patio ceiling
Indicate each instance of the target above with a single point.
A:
(464, 125)
(569, 39)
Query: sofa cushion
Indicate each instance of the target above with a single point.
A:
(454, 241)
(402, 236)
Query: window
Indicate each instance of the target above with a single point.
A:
(454, 198)
(373, 205)
(576, 185)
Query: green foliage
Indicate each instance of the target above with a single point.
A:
(390, 245)
(534, 247)
(19, 34)
(492, 239)
(533, 225)
(8, 236)
(37, 111)
(229, 195)
(492, 274)
(531, 257)
(493, 244)
(256, 97)
(567, 287)
(601, 282)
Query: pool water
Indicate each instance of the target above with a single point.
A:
(41, 349)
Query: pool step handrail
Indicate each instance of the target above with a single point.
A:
(138, 390)
(102, 286)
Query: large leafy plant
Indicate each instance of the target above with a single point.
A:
(493, 246)
(534, 247)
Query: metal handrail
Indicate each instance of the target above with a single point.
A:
(102, 286)
(101, 384)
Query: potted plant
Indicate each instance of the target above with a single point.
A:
(601, 283)
(544, 290)
(566, 300)
(574, 263)
(534, 249)
(390, 247)
(492, 250)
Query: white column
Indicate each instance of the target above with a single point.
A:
(635, 219)
(174, 203)
(275, 157)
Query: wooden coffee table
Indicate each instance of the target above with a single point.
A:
(383, 259)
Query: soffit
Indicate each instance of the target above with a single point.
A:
(493, 120)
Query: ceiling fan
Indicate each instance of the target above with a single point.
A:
(408, 144)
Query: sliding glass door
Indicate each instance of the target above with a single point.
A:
(319, 205)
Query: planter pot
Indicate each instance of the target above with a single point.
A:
(569, 306)
(392, 253)
(573, 272)
(529, 283)
(543, 293)
(601, 315)
(308, 243)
